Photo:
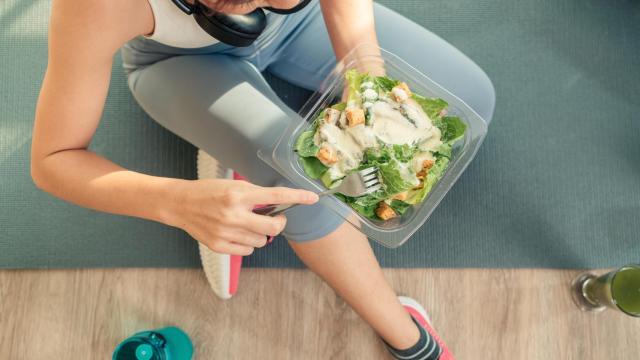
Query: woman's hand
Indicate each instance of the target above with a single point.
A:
(218, 213)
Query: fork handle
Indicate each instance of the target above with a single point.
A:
(329, 192)
(273, 210)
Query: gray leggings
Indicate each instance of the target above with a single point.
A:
(217, 99)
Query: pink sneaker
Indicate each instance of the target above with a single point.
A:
(420, 315)
(222, 270)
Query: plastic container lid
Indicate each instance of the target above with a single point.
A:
(394, 232)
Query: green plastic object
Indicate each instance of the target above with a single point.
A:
(168, 343)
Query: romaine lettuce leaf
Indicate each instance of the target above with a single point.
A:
(368, 211)
(365, 205)
(397, 176)
(384, 83)
(339, 106)
(327, 181)
(313, 167)
(444, 150)
(433, 175)
(404, 152)
(354, 80)
(452, 128)
(432, 107)
(399, 206)
(305, 146)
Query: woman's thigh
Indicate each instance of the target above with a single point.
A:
(219, 104)
(303, 61)
(224, 106)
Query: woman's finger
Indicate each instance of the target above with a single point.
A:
(225, 247)
(245, 237)
(261, 224)
(280, 195)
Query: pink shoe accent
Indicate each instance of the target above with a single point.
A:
(234, 273)
(236, 260)
(237, 176)
(420, 318)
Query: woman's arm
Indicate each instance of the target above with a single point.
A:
(83, 38)
(351, 23)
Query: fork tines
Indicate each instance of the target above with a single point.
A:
(369, 176)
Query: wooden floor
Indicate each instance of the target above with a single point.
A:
(290, 314)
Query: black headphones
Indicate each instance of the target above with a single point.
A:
(235, 30)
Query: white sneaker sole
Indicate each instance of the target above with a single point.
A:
(216, 266)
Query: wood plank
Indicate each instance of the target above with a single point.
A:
(291, 314)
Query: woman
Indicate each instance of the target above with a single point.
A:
(213, 95)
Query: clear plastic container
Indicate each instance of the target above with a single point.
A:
(394, 232)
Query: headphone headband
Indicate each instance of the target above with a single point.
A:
(235, 30)
(294, 9)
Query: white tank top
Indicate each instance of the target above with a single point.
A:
(175, 28)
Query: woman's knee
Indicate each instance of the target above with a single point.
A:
(309, 223)
(437, 58)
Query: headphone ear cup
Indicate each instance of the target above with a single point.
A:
(235, 30)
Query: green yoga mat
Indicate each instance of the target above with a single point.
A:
(556, 184)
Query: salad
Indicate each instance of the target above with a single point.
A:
(382, 123)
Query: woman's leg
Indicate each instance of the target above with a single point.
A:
(345, 261)
(344, 258)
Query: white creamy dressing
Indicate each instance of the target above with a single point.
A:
(432, 143)
(363, 135)
(414, 112)
(369, 95)
(392, 127)
(387, 125)
(349, 150)
(366, 85)
(406, 172)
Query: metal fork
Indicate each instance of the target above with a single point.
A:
(358, 183)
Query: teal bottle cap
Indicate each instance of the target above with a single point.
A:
(168, 343)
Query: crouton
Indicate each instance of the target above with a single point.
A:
(401, 196)
(401, 92)
(355, 116)
(384, 211)
(426, 165)
(327, 156)
(331, 116)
